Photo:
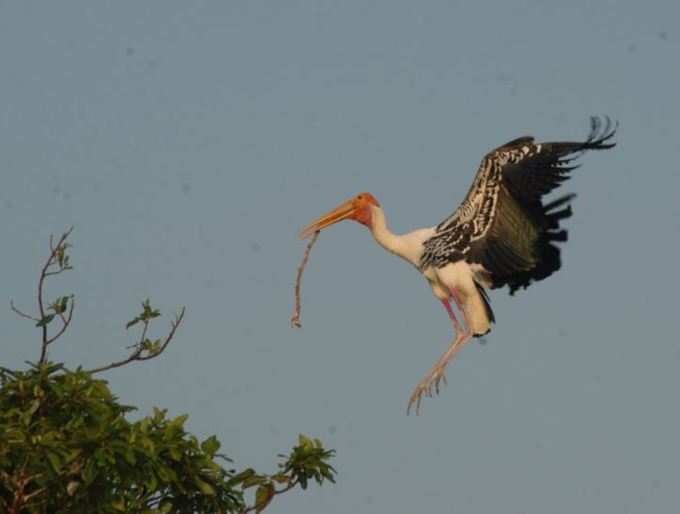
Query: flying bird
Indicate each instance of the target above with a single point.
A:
(502, 234)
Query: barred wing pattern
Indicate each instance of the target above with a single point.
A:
(503, 224)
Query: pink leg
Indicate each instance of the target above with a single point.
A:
(459, 302)
(436, 374)
(456, 324)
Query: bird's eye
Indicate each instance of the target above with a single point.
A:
(360, 197)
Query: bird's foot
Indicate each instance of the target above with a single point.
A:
(432, 379)
(436, 374)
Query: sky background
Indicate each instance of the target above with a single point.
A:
(189, 141)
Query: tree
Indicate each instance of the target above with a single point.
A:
(66, 445)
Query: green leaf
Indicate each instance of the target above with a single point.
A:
(45, 321)
(89, 472)
(175, 454)
(263, 496)
(35, 405)
(205, 487)
(240, 477)
(281, 478)
(60, 305)
(133, 322)
(165, 506)
(179, 421)
(129, 456)
(253, 480)
(210, 445)
(166, 474)
(151, 482)
(149, 313)
(305, 441)
(55, 461)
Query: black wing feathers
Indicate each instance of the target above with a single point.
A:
(521, 246)
(503, 223)
(548, 168)
(546, 254)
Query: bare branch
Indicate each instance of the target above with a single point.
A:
(138, 354)
(58, 272)
(37, 492)
(21, 313)
(295, 318)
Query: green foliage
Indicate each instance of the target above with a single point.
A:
(66, 432)
(148, 313)
(308, 460)
(66, 446)
(63, 260)
(60, 305)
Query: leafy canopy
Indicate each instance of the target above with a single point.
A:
(67, 445)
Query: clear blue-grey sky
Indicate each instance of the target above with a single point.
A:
(189, 141)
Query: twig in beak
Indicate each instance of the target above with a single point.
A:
(295, 318)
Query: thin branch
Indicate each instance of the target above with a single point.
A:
(37, 492)
(21, 313)
(288, 487)
(65, 322)
(56, 263)
(142, 338)
(295, 318)
(58, 272)
(41, 289)
(18, 483)
(137, 355)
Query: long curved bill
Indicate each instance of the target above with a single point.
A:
(342, 212)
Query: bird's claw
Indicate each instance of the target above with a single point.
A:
(425, 387)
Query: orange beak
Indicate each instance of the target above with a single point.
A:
(344, 211)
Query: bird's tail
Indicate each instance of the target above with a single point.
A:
(481, 316)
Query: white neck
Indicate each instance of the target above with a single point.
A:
(407, 246)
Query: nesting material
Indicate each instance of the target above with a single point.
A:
(295, 318)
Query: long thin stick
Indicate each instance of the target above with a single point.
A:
(295, 318)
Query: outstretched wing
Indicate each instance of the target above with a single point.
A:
(503, 224)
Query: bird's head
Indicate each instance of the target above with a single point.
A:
(359, 208)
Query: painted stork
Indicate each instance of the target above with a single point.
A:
(503, 234)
